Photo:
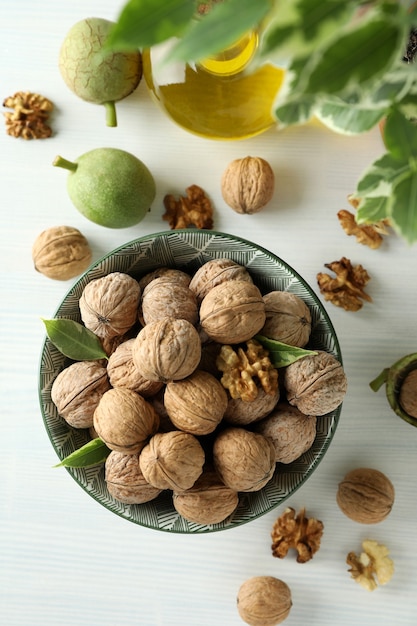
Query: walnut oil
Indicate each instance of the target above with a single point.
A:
(222, 97)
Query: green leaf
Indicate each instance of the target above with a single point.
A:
(348, 118)
(144, 23)
(295, 111)
(281, 354)
(379, 178)
(74, 340)
(400, 136)
(403, 213)
(221, 27)
(372, 210)
(92, 453)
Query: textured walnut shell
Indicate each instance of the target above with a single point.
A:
(232, 312)
(244, 460)
(248, 184)
(366, 495)
(109, 305)
(208, 501)
(408, 394)
(169, 274)
(61, 252)
(288, 318)
(196, 404)
(172, 460)
(167, 350)
(291, 432)
(125, 481)
(216, 272)
(315, 384)
(124, 420)
(241, 413)
(264, 601)
(77, 390)
(165, 298)
(122, 372)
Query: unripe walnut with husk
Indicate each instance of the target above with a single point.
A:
(122, 372)
(109, 305)
(232, 312)
(167, 349)
(264, 601)
(61, 252)
(77, 390)
(315, 384)
(248, 184)
(172, 460)
(288, 318)
(244, 460)
(216, 272)
(167, 298)
(125, 481)
(208, 501)
(196, 404)
(124, 420)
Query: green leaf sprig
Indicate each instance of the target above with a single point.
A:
(74, 340)
(92, 453)
(282, 354)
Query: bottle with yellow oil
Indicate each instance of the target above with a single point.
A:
(226, 96)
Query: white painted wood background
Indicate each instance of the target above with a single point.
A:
(65, 559)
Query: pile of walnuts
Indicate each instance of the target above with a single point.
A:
(188, 400)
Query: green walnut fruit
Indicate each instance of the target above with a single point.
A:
(109, 186)
(95, 73)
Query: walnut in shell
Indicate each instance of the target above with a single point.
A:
(109, 305)
(124, 420)
(366, 495)
(77, 390)
(167, 349)
(125, 481)
(248, 184)
(122, 372)
(61, 252)
(196, 404)
(172, 460)
(216, 272)
(264, 601)
(288, 318)
(169, 274)
(244, 460)
(241, 413)
(166, 298)
(291, 432)
(208, 501)
(232, 312)
(315, 384)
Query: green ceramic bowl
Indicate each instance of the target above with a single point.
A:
(188, 250)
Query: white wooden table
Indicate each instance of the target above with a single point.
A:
(64, 558)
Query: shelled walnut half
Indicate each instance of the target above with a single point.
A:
(347, 288)
(296, 531)
(29, 116)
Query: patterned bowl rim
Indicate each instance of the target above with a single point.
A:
(332, 419)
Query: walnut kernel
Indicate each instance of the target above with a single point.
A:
(248, 184)
(296, 531)
(366, 495)
(372, 567)
(264, 601)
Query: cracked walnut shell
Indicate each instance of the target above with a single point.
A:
(264, 601)
(232, 312)
(245, 461)
(366, 495)
(172, 460)
(196, 404)
(109, 305)
(61, 252)
(167, 349)
(125, 481)
(208, 501)
(288, 318)
(124, 420)
(77, 390)
(248, 184)
(315, 384)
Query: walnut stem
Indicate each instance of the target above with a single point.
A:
(59, 161)
(111, 117)
(379, 380)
